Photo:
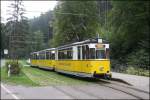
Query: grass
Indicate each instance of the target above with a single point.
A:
(20, 79)
(23, 62)
(43, 77)
(36, 77)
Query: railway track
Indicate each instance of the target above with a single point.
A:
(137, 93)
(113, 85)
(123, 84)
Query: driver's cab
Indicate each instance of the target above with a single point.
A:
(93, 51)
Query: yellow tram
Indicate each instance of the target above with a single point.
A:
(89, 58)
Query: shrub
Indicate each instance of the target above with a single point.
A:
(137, 71)
(15, 67)
(139, 59)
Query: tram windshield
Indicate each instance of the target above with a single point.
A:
(100, 54)
(93, 53)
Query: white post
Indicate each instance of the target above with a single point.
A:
(9, 70)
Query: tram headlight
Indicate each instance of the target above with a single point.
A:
(101, 68)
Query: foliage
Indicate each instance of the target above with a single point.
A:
(129, 24)
(17, 29)
(137, 71)
(75, 21)
(42, 23)
(38, 40)
(14, 67)
(104, 7)
(34, 33)
(4, 39)
(139, 59)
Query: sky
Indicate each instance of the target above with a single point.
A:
(33, 8)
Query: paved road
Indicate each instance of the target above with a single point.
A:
(62, 92)
(100, 90)
(140, 82)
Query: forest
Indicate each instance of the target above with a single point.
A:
(125, 24)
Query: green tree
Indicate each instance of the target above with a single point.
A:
(75, 21)
(17, 27)
(104, 7)
(4, 39)
(42, 23)
(37, 41)
(129, 24)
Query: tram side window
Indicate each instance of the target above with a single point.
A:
(85, 52)
(50, 55)
(53, 56)
(47, 55)
(107, 53)
(92, 53)
(65, 54)
(34, 57)
(42, 56)
(69, 54)
(60, 55)
(79, 54)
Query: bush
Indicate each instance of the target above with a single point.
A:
(137, 71)
(139, 59)
(118, 66)
(15, 67)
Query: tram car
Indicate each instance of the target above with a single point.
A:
(89, 58)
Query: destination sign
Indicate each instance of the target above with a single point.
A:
(99, 46)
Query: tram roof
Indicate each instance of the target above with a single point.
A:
(46, 49)
(83, 42)
(43, 50)
(73, 44)
(33, 52)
